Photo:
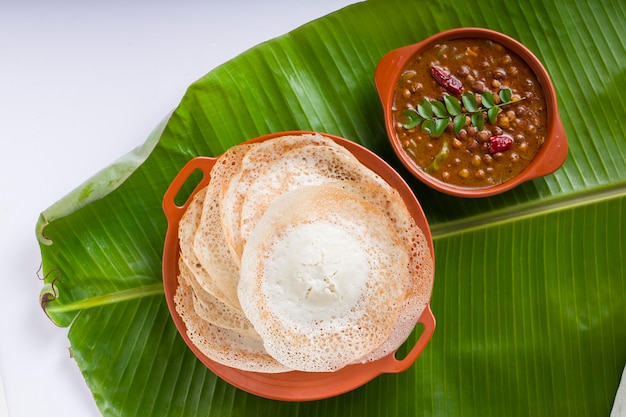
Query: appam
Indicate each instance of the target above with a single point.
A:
(187, 228)
(323, 277)
(252, 166)
(316, 165)
(209, 242)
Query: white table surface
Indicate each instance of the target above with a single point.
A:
(81, 84)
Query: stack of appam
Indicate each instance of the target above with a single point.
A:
(296, 256)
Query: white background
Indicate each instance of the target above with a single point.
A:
(81, 84)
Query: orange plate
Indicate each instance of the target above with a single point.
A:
(551, 155)
(294, 385)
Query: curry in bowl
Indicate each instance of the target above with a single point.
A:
(471, 112)
(493, 128)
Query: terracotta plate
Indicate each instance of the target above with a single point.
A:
(295, 385)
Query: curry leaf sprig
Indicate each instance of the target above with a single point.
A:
(434, 115)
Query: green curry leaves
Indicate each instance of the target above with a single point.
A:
(434, 116)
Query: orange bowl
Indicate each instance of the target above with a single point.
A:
(552, 153)
(294, 385)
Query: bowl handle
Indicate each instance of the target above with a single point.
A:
(556, 151)
(428, 321)
(385, 75)
(174, 212)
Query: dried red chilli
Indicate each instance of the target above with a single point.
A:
(447, 80)
(500, 143)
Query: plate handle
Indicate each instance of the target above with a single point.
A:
(428, 321)
(174, 212)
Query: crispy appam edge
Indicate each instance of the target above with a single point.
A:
(187, 228)
(214, 310)
(209, 242)
(223, 346)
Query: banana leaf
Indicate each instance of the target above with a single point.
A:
(530, 285)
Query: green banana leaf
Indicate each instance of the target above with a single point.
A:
(530, 285)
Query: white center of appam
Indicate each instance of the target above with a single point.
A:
(316, 272)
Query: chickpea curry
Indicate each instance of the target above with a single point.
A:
(470, 112)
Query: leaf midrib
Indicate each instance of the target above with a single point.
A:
(528, 210)
(105, 299)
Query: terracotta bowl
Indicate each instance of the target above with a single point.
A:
(549, 158)
(295, 385)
